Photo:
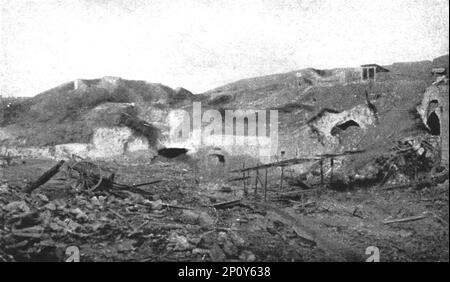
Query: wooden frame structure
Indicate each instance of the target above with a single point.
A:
(245, 171)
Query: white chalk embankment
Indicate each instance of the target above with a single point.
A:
(106, 143)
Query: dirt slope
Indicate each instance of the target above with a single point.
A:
(66, 115)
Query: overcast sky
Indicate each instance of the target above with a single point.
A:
(203, 44)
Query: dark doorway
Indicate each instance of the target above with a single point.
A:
(343, 126)
(371, 73)
(220, 157)
(364, 73)
(434, 124)
(172, 152)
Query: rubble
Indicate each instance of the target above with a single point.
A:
(173, 220)
(198, 217)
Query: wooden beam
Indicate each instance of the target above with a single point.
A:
(282, 176)
(44, 178)
(294, 161)
(244, 180)
(406, 219)
(256, 183)
(265, 186)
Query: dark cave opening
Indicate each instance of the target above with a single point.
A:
(172, 152)
(434, 124)
(220, 157)
(343, 126)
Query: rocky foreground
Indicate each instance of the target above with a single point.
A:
(182, 218)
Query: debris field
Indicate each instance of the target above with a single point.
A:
(160, 211)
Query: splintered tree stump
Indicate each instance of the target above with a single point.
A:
(44, 178)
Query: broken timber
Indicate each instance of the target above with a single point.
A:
(299, 160)
(244, 180)
(284, 163)
(412, 218)
(44, 177)
(228, 204)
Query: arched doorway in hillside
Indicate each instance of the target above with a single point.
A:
(171, 153)
(433, 122)
(350, 124)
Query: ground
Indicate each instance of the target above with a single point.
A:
(178, 219)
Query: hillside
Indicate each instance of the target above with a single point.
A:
(300, 101)
(266, 85)
(71, 112)
(397, 94)
(67, 115)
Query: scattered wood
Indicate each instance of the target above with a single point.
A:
(256, 183)
(116, 213)
(28, 235)
(144, 184)
(281, 178)
(406, 219)
(226, 205)
(265, 185)
(279, 164)
(91, 176)
(244, 180)
(44, 177)
(398, 186)
(299, 160)
(177, 207)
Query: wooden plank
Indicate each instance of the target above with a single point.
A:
(294, 161)
(265, 186)
(256, 183)
(406, 219)
(44, 177)
(227, 204)
(244, 180)
(281, 179)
